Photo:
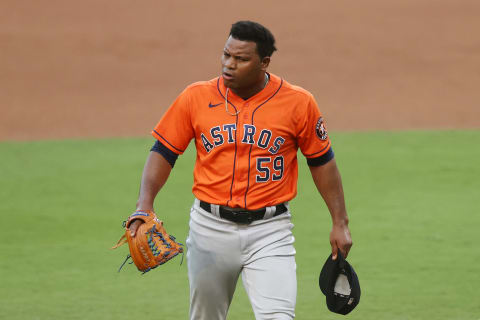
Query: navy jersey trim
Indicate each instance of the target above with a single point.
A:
(312, 154)
(168, 154)
(171, 145)
(235, 153)
(323, 159)
(234, 162)
(251, 146)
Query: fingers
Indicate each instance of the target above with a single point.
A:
(344, 249)
(345, 245)
(347, 248)
(340, 239)
(134, 226)
(334, 251)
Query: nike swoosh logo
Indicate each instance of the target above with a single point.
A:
(210, 105)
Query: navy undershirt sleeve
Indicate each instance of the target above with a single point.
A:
(168, 154)
(323, 159)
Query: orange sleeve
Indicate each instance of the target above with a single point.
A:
(312, 134)
(175, 130)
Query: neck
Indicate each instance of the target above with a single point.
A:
(253, 90)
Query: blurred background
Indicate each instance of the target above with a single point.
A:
(102, 68)
(82, 84)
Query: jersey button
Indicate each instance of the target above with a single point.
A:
(247, 104)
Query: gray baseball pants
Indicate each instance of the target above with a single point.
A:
(262, 252)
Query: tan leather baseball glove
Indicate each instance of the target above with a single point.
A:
(152, 245)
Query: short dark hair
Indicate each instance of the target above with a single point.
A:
(253, 31)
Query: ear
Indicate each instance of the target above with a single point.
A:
(265, 62)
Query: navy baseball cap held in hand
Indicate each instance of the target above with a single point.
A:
(339, 283)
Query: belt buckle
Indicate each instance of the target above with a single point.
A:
(242, 216)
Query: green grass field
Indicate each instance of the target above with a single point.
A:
(412, 197)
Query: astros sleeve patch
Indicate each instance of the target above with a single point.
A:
(313, 136)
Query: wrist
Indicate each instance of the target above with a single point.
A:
(340, 221)
(144, 206)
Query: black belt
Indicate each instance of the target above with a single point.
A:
(242, 216)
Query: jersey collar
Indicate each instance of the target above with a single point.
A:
(272, 86)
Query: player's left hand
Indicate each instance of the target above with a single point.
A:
(134, 226)
(149, 243)
(340, 239)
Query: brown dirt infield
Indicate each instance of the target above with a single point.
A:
(98, 68)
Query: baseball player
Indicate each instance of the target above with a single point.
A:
(247, 125)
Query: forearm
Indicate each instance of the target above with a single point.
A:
(155, 174)
(329, 184)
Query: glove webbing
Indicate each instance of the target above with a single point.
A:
(151, 243)
(153, 232)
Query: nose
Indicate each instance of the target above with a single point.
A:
(229, 63)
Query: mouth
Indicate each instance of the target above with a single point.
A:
(227, 76)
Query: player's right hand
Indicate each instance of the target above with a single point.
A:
(134, 226)
(340, 239)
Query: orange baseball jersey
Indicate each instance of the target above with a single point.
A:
(246, 160)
